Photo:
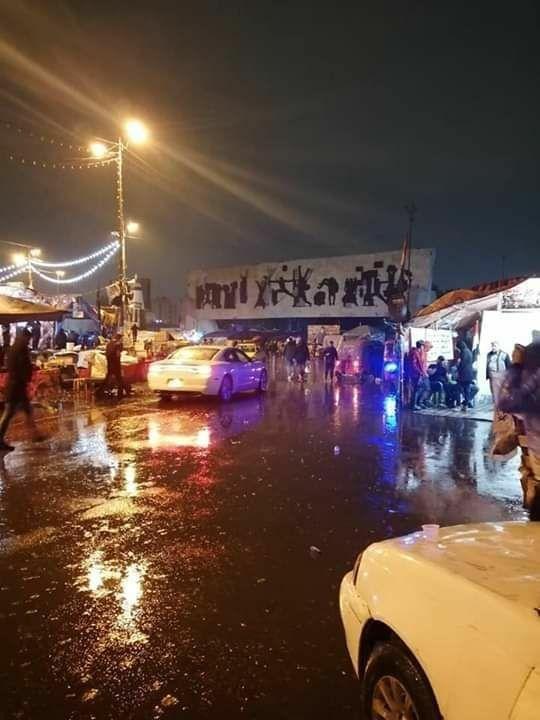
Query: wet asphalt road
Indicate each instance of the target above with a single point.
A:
(155, 559)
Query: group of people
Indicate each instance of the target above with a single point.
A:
(296, 355)
(444, 384)
(450, 384)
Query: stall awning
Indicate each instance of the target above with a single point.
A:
(13, 310)
(460, 307)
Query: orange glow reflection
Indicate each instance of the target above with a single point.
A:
(130, 481)
(95, 571)
(157, 438)
(131, 591)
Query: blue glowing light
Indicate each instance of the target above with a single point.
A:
(390, 367)
(390, 412)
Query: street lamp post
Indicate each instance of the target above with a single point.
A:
(136, 132)
(59, 274)
(25, 258)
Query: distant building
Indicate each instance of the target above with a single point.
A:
(166, 311)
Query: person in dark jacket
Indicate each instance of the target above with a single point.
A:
(19, 366)
(330, 358)
(301, 357)
(438, 380)
(36, 334)
(288, 354)
(60, 340)
(6, 342)
(465, 374)
(114, 365)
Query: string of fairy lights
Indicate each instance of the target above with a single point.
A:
(43, 268)
(56, 163)
(56, 272)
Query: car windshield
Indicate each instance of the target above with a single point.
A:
(190, 354)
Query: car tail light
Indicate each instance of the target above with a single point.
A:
(204, 370)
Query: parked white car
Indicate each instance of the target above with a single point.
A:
(207, 370)
(447, 627)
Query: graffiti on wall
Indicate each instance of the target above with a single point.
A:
(315, 287)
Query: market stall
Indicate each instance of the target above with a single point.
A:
(506, 312)
(19, 312)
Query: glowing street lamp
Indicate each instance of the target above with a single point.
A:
(137, 133)
(19, 259)
(24, 258)
(133, 227)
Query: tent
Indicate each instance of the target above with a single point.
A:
(13, 310)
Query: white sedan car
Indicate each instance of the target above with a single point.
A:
(207, 370)
(447, 626)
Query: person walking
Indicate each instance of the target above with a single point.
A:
(497, 364)
(519, 395)
(19, 367)
(288, 354)
(134, 332)
(465, 374)
(6, 341)
(60, 339)
(114, 365)
(330, 358)
(36, 334)
(301, 357)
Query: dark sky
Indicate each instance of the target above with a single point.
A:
(280, 130)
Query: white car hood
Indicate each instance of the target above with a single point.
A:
(503, 558)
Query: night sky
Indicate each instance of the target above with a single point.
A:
(280, 130)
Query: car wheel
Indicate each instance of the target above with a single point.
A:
(263, 382)
(394, 687)
(226, 389)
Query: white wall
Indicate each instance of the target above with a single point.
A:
(507, 328)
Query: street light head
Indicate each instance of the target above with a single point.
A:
(98, 149)
(35, 252)
(136, 131)
(133, 227)
(60, 273)
(19, 259)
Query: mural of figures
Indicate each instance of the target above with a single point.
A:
(350, 285)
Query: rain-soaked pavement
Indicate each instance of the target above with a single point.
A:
(155, 559)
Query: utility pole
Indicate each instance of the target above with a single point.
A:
(411, 211)
(121, 230)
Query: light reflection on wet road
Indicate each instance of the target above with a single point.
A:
(154, 560)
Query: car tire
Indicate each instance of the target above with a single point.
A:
(226, 389)
(263, 382)
(392, 677)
